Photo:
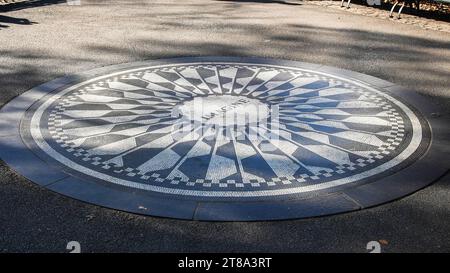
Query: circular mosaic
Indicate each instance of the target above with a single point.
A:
(211, 131)
(224, 129)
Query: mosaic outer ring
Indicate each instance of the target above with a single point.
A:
(36, 120)
(376, 190)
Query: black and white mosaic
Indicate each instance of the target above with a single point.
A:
(224, 129)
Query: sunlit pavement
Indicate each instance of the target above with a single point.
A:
(43, 42)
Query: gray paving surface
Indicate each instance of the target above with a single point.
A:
(41, 42)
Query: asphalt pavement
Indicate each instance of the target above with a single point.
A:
(43, 40)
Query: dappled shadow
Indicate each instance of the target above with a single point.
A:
(28, 4)
(416, 60)
(6, 20)
(410, 61)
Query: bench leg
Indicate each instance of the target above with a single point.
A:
(392, 9)
(348, 3)
(400, 10)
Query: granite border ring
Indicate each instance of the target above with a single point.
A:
(226, 139)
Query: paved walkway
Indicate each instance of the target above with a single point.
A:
(41, 42)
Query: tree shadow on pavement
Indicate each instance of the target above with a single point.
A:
(34, 220)
(4, 20)
(28, 4)
(414, 62)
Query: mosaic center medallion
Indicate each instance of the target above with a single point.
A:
(218, 129)
(225, 110)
